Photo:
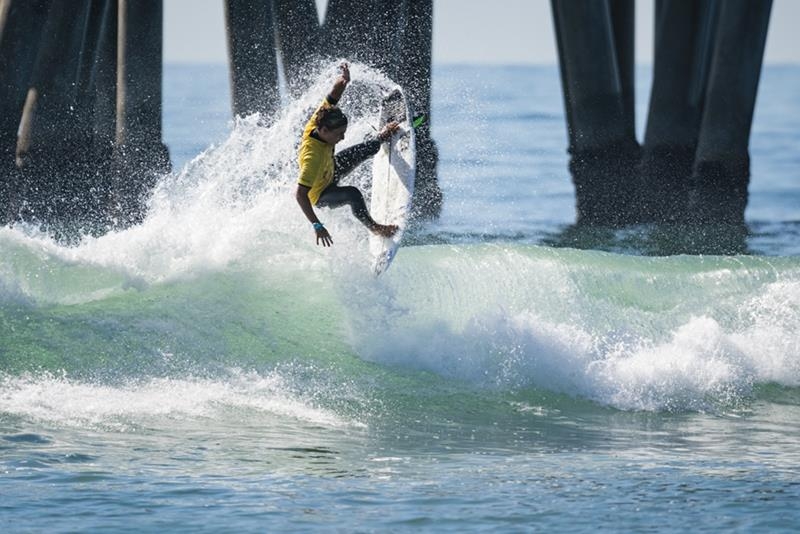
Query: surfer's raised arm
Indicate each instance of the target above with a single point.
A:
(341, 83)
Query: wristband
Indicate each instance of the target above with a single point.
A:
(318, 226)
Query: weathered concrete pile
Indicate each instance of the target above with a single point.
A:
(693, 166)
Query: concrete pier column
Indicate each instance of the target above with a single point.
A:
(602, 143)
(139, 73)
(21, 24)
(722, 162)
(252, 56)
(86, 189)
(140, 152)
(684, 34)
(299, 40)
(87, 56)
(623, 23)
(52, 96)
(415, 76)
(103, 94)
(52, 148)
(105, 84)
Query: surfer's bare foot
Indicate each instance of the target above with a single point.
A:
(384, 230)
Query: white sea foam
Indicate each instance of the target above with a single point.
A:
(557, 328)
(61, 400)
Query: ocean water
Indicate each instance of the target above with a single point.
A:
(213, 370)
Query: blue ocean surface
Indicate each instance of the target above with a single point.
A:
(212, 369)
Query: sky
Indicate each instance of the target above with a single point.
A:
(474, 31)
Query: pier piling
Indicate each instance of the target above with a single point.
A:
(21, 24)
(252, 57)
(415, 72)
(684, 33)
(51, 152)
(722, 162)
(139, 153)
(598, 101)
(298, 38)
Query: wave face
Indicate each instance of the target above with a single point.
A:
(222, 290)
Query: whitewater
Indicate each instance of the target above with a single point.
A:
(212, 368)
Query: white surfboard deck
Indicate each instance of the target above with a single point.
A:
(393, 171)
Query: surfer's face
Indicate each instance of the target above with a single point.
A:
(332, 136)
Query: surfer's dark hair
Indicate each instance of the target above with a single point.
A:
(331, 118)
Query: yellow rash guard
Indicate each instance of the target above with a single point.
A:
(315, 158)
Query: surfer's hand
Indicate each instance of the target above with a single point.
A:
(341, 82)
(344, 77)
(388, 131)
(322, 234)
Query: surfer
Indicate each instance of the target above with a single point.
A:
(321, 170)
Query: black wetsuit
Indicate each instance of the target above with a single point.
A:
(344, 162)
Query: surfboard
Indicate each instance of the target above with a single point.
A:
(393, 170)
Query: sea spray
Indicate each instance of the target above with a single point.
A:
(233, 201)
